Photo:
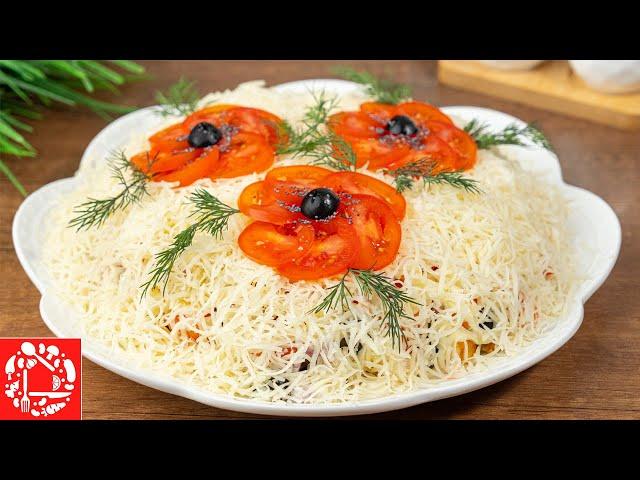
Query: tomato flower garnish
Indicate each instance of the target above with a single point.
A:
(357, 223)
(220, 141)
(388, 136)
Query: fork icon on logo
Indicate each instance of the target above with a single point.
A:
(25, 402)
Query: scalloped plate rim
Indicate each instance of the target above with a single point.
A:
(506, 368)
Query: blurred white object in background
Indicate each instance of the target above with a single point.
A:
(512, 64)
(609, 76)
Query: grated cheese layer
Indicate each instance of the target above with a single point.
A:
(492, 271)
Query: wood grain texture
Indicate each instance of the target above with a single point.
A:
(551, 86)
(596, 375)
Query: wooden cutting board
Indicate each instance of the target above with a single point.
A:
(550, 86)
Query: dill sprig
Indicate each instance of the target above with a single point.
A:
(211, 214)
(383, 91)
(423, 169)
(181, 98)
(339, 294)
(212, 217)
(311, 135)
(511, 135)
(336, 153)
(94, 212)
(371, 284)
(315, 141)
(165, 259)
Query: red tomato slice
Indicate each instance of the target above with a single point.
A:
(378, 232)
(364, 131)
(213, 114)
(171, 138)
(290, 184)
(459, 140)
(193, 171)
(382, 112)
(249, 149)
(254, 195)
(357, 183)
(258, 202)
(434, 150)
(273, 245)
(257, 121)
(143, 161)
(163, 162)
(421, 113)
(375, 153)
(300, 174)
(250, 120)
(330, 254)
(248, 153)
(354, 124)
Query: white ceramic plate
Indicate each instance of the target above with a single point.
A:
(592, 222)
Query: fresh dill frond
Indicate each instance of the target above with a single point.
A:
(392, 298)
(181, 98)
(339, 294)
(455, 179)
(317, 115)
(511, 135)
(315, 140)
(133, 181)
(381, 90)
(336, 153)
(423, 169)
(403, 183)
(212, 217)
(166, 258)
(312, 134)
(475, 128)
(371, 284)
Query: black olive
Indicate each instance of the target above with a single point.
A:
(304, 366)
(203, 135)
(402, 125)
(319, 204)
(488, 324)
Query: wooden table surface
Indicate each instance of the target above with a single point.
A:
(596, 375)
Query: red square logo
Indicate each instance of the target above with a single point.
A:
(42, 379)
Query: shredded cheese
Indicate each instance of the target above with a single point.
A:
(492, 272)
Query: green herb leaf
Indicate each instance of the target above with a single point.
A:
(317, 142)
(383, 91)
(23, 83)
(371, 284)
(166, 258)
(181, 98)
(12, 178)
(95, 212)
(423, 169)
(339, 294)
(129, 66)
(510, 135)
(212, 216)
